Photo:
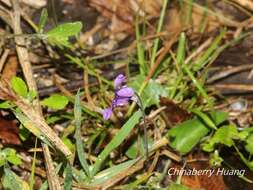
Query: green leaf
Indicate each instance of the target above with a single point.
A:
(2, 158)
(2, 161)
(205, 118)
(14, 159)
(218, 117)
(65, 30)
(69, 144)
(213, 119)
(224, 135)
(31, 95)
(136, 148)
(117, 140)
(55, 101)
(44, 186)
(132, 151)
(249, 144)
(23, 133)
(11, 156)
(43, 19)
(152, 92)
(79, 143)
(60, 34)
(249, 129)
(12, 182)
(19, 86)
(186, 135)
(52, 119)
(6, 105)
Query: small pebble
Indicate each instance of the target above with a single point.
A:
(239, 106)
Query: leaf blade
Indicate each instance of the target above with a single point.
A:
(116, 141)
(79, 144)
(19, 86)
(55, 101)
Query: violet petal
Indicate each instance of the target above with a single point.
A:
(125, 92)
(119, 80)
(120, 102)
(107, 113)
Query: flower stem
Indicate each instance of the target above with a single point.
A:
(140, 104)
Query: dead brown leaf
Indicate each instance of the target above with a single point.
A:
(10, 68)
(174, 113)
(9, 132)
(122, 13)
(203, 181)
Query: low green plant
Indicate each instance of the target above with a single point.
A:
(9, 155)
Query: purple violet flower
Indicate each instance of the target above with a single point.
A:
(122, 95)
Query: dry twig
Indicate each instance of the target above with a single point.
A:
(35, 114)
(3, 58)
(229, 71)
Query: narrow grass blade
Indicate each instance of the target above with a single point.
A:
(43, 19)
(107, 174)
(32, 180)
(205, 57)
(84, 108)
(181, 49)
(189, 13)
(68, 178)
(198, 85)
(141, 179)
(203, 22)
(159, 28)
(79, 144)
(179, 62)
(116, 141)
(231, 43)
(140, 50)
